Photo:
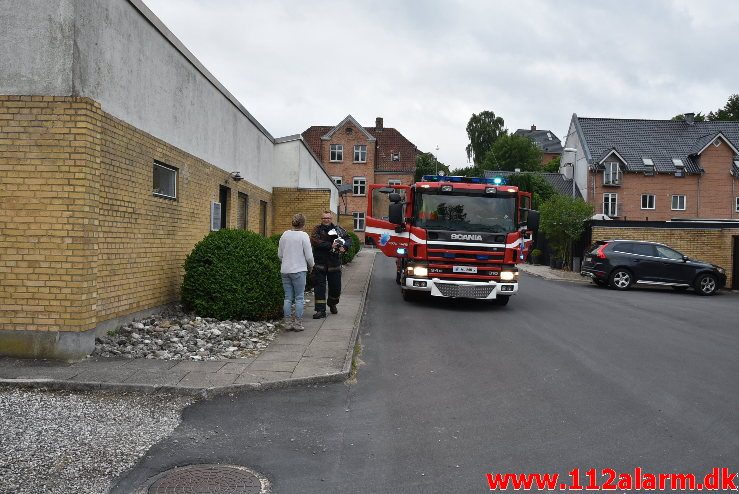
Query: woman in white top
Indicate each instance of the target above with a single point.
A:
(297, 258)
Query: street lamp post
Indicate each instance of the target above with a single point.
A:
(436, 160)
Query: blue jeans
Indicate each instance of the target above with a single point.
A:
(294, 286)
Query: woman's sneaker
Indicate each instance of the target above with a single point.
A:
(287, 323)
(298, 326)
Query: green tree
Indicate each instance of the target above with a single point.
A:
(509, 152)
(467, 171)
(541, 190)
(730, 111)
(698, 117)
(563, 221)
(427, 164)
(483, 130)
(553, 166)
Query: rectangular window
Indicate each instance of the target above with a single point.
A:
(359, 186)
(337, 152)
(263, 218)
(678, 203)
(360, 153)
(736, 205)
(165, 181)
(647, 201)
(243, 212)
(393, 181)
(612, 174)
(395, 156)
(358, 222)
(610, 204)
(337, 180)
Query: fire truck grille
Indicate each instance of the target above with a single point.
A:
(466, 291)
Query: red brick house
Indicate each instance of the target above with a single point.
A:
(358, 156)
(656, 170)
(550, 145)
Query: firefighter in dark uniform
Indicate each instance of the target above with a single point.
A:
(329, 243)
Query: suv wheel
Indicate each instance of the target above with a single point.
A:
(706, 284)
(621, 279)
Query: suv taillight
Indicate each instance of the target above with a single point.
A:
(600, 253)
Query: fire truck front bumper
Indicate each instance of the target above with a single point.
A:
(461, 289)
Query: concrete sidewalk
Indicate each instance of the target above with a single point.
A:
(552, 274)
(321, 353)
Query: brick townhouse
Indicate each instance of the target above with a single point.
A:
(113, 165)
(656, 170)
(550, 145)
(358, 156)
(667, 181)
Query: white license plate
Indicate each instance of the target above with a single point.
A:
(464, 269)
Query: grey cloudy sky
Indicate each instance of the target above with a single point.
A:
(426, 66)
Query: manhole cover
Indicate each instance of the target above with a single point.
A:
(209, 479)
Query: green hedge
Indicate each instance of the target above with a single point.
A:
(347, 257)
(233, 274)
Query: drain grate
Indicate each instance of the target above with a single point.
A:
(209, 479)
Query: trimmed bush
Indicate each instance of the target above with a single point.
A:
(233, 274)
(347, 257)
(275, 239)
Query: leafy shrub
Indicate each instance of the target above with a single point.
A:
(347, 257)
(275, 239)
(233, 274)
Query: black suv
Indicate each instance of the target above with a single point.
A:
(621, 263)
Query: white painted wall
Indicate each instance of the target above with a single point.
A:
(119, 54)
(581, 162)
(295, 167)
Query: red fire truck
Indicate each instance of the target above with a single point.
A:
(453, 236)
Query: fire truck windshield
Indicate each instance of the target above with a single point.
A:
(465, 212)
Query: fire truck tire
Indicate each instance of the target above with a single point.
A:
(397, 277)
(501, 300)
(409, 295)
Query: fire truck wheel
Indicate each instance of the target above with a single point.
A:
(397, 277)
(501, 300)
(409, 295)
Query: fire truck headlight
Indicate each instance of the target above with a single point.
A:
(508, 275)
(420, 271)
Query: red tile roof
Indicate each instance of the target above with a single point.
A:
(389, 142)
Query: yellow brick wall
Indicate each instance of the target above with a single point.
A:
(706, 244)
(82, 237)
(49, 178)
(288, 201)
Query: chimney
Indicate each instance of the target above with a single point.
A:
(533, 127)
(690, 118)
(378, 124)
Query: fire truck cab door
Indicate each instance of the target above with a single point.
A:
(383, 233)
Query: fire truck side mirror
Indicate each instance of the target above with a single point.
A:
(395, 213)
(532, 222)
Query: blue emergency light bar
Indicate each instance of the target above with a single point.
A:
(464, 180)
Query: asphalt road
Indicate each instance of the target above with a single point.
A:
(567, 375)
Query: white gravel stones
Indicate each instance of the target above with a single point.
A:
(174, 335)
(54, 442)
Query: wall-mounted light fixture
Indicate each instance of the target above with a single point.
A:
(235, 176)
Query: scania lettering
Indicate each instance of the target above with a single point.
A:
(453, 236)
